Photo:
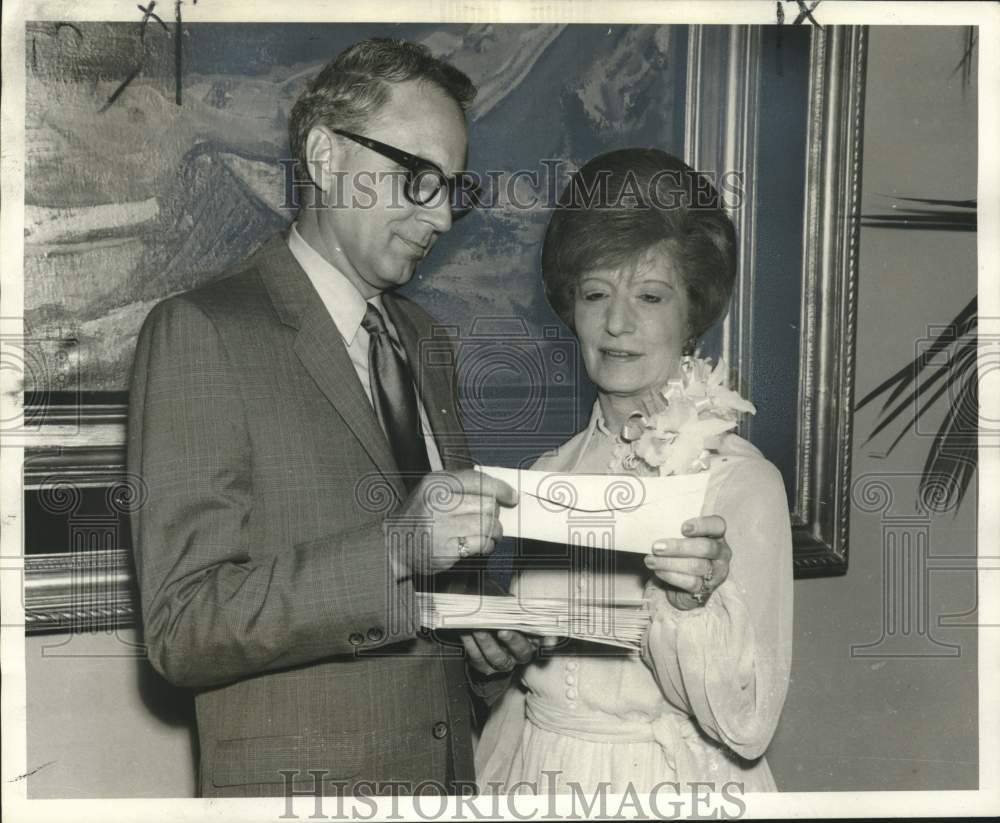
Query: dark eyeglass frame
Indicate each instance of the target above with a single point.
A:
(416, 167)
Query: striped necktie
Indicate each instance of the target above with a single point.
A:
(394, 399)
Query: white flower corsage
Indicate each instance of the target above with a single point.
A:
(681, 423)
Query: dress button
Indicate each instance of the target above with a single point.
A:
(440, 730)
(571, 693)
(570, 679)
(356, 638)
(571, 665)
(376, 634)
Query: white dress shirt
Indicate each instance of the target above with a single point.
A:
(347, 309)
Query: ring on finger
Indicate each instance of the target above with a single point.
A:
(702, 594)
(463, 547)
(707, 576)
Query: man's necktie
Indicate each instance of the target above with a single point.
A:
(394, 398)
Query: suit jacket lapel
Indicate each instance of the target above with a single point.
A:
(430, 358)
(321, 350)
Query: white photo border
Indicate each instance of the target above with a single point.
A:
(781, 805)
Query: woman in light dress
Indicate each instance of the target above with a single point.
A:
(639, 261)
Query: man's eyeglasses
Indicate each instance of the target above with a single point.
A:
(425, 180)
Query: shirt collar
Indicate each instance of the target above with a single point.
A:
(597, 422)
(341, 298)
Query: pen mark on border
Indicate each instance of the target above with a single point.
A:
(55, 33)
(148, 14)
(178, 54)
(805, 12)
(33, 771)
(72, 26)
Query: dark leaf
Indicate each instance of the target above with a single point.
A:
(961, 326)
(928, 219)
(960, 204)
(958, 327)
(964, 65)
(953, 457)
(942, 221)
(956, 370)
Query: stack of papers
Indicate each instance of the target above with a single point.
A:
(622, 623)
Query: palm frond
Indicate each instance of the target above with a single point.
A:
(937, 221)
(934, 201)
(947, 365)
(953, 455)
(959, 215)
(965, 64)
(955, 372)
(952, 459)
(963, 324)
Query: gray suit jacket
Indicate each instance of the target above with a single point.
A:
(261, 553)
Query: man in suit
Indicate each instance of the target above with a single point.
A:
(291, 422)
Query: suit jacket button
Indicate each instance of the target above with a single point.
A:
(423, 631)
(440, 730)
(356, 638)
(375, 635)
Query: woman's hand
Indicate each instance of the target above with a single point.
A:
(695, 565)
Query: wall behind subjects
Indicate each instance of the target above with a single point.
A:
(882, 722)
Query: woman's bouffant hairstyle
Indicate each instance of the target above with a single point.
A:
(624, 203)
(352, 88)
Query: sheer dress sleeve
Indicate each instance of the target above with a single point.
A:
(727, 663)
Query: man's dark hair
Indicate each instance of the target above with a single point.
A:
(352, 88)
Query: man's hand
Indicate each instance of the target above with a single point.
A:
(495, 652)
(461, 512)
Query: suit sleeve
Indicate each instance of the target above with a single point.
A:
(215, 607)
(727, 664)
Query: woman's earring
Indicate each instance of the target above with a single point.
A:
(689, 347)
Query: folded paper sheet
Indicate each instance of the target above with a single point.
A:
(616, 511)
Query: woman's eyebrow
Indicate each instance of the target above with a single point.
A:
(648, 280)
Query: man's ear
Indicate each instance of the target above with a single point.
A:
(323, 156)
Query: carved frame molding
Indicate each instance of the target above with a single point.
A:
(721, 132)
